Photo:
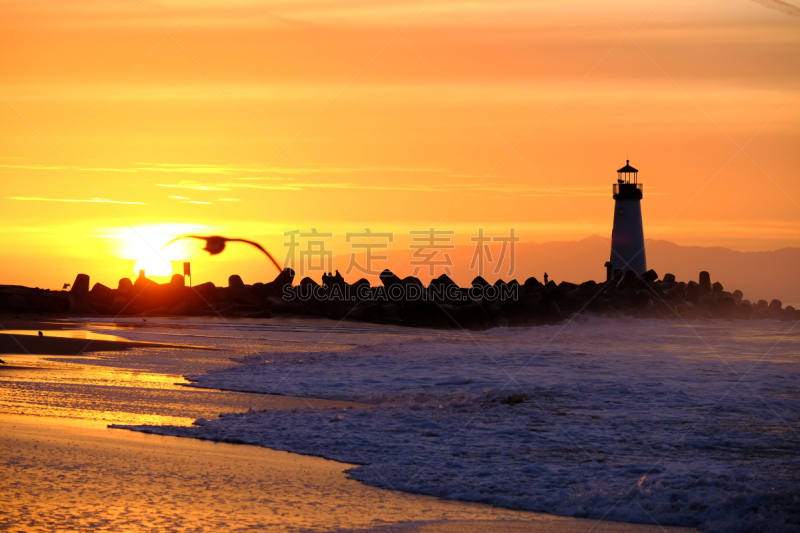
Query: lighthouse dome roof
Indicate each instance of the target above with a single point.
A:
(627, 167)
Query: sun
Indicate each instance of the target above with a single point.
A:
(153, 266)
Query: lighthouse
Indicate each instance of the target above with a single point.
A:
(627, 237)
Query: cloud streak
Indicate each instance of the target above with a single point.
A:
(780, 5)
(73, 200)
(411, 187)
(195, 185)
(187, 168)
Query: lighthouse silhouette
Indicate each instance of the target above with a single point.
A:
(627, 237)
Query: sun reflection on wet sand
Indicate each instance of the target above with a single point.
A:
(68, 334)
(40, 386)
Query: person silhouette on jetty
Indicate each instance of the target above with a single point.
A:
(215, 244)
(545, 278)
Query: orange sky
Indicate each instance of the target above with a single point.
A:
(256, 118)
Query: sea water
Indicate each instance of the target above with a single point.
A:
(663, 422)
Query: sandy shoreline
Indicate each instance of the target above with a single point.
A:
(60, 342)
(55, 345)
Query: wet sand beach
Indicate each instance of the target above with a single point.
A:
(63, 342)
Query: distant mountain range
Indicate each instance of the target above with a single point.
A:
(759, 275)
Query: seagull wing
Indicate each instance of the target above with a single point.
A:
(184, 237)
(262, 249)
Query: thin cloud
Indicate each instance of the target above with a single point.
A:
(437, 187)
(31, 167)
(780, 5)
(188, 168)
(194, 185)
(262, 178)
(74, 201)
(106, 169)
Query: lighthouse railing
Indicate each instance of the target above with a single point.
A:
(616, 188)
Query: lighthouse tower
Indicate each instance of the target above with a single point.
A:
(627, 237)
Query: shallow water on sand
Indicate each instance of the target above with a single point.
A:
(67, 334)
(76, 388)
(146, 385)
(136, 386)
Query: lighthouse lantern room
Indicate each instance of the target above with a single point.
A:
(627, 236)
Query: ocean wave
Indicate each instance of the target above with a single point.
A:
(635, 421)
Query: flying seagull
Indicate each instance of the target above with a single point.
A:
(215, 244)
